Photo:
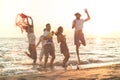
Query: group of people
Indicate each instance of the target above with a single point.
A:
(48, 49)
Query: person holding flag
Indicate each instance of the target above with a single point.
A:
(26, 24)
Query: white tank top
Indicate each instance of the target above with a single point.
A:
(31, 38)
(78, 24)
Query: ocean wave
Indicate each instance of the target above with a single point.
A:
(94, 60)
(83, 53)
(12, 54)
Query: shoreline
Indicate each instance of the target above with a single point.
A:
(110, 72)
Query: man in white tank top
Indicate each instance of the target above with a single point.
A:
(79, 36)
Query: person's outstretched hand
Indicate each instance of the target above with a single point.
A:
(86, 11)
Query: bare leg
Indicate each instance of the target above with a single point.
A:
(40, 60)
(41, 55)
(28, 54)
(77, 50)
(45, 61)
(52, 53)
(51, 62)
(34, 62)
(32, 55)
(66, 55)
(35, 59)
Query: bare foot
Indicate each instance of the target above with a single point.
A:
(26, 53)
(40, 61)
(44, 66)
(34, 66)
(64, 65)
(51, 66)
(77, 67)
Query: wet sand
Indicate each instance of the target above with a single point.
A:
(111, 72)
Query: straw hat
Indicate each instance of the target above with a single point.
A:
(77, 14)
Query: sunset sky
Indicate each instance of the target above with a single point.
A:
(105, 15)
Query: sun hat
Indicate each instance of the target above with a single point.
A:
(77, 14)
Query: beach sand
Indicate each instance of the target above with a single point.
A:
(111, 72)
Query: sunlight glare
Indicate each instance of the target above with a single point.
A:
(98, 40)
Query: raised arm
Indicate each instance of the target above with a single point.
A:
(30, 25)
(88, 16)
(30, 21)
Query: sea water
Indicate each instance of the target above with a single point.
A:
(99, 51)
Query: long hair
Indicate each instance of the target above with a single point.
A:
(59, 31)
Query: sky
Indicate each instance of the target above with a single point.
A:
(105, 15)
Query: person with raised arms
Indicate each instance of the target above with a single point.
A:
(26, 23)
(78, 34)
